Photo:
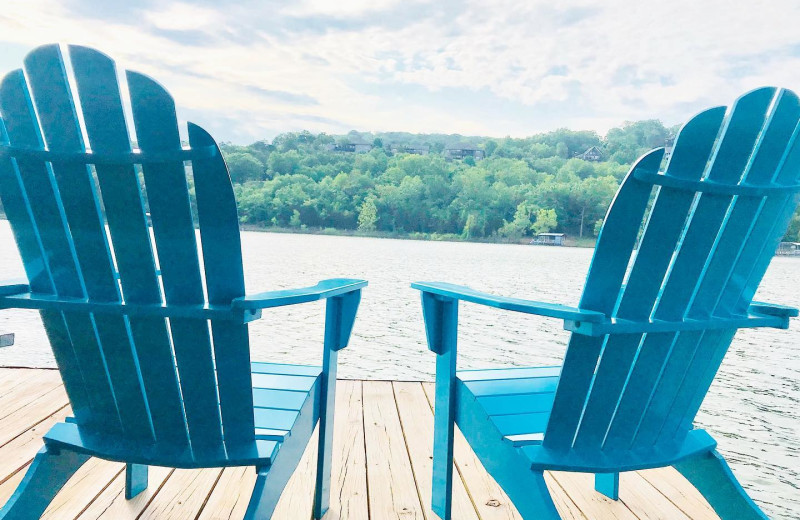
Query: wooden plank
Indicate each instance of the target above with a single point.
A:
(580, 488)
(112, 505)
(489, 499)
(231, 495)
(182, 495)
(32, 413)
(14, 377)
(349, 499)
(417, 423)
(678, 490)
(84, 486)
(390, 479)
(8, 486)
(646, 501)
(27, 391)
(19, 452)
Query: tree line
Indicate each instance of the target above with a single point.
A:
(523, 186)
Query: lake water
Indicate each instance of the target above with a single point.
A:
(752, 408)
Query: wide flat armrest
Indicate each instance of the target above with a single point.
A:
(12, 287)
(323, 290)
(467, 294)
(771, 309)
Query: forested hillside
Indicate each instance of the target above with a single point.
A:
(521, 187)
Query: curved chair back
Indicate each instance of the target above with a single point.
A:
(697, 250)
(77, 192)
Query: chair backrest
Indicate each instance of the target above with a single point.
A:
(697, 250)
(77, 196)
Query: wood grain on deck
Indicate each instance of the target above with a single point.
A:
(381, 468)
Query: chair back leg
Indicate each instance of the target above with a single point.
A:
(710, 474)
(607, 484)
(47, 474)
(135, 480)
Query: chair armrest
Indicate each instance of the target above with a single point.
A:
(323, 290)
(467, 294)
(14, 287)
(771, 309)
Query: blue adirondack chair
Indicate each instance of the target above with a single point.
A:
(153, 353)
(651, 328)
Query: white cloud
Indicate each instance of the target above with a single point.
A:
(405, 66)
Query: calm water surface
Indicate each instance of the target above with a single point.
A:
(752, 408)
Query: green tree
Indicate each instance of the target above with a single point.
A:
(546, 220)
(368, 214)
(244, 166)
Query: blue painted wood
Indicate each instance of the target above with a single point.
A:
(324, 289)
(38, 191)
(46, 475)
(340, 313)
(105, 313)
(441, 322)
(30, 246)
(222, 262)
(168, 200)
(103, 115)
(58, 119)
(659, 309)
(135, 480)
(607, 484)
(512, 304)
(710, 474)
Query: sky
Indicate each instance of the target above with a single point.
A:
(250, 69)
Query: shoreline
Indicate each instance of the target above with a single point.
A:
(429, 237)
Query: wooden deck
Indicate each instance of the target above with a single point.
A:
(381, 469)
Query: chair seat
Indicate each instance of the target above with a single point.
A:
(517, 400)
(280, 393)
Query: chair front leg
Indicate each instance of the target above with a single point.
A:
(340, 315)
(47, 474)
(607, 484)
(441, 326)
(710, 474)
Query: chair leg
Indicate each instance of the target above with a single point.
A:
(322, 490)
(528, 491)
(47, 474)
(607, 484)
(444, 430)
(135, 480)
(710, 474)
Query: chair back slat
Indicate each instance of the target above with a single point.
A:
(76, 188)
(690, 351)
(222, 255)
(637, 390)
(661, 234)
(26, 235)
(168, 198)
(738, 236)
(107, 132)
(38, 187)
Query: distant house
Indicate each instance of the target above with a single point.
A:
(788, 249)
(416, 150)
(357, 147)
(549, 239)
(463, 153)
(592, 153)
